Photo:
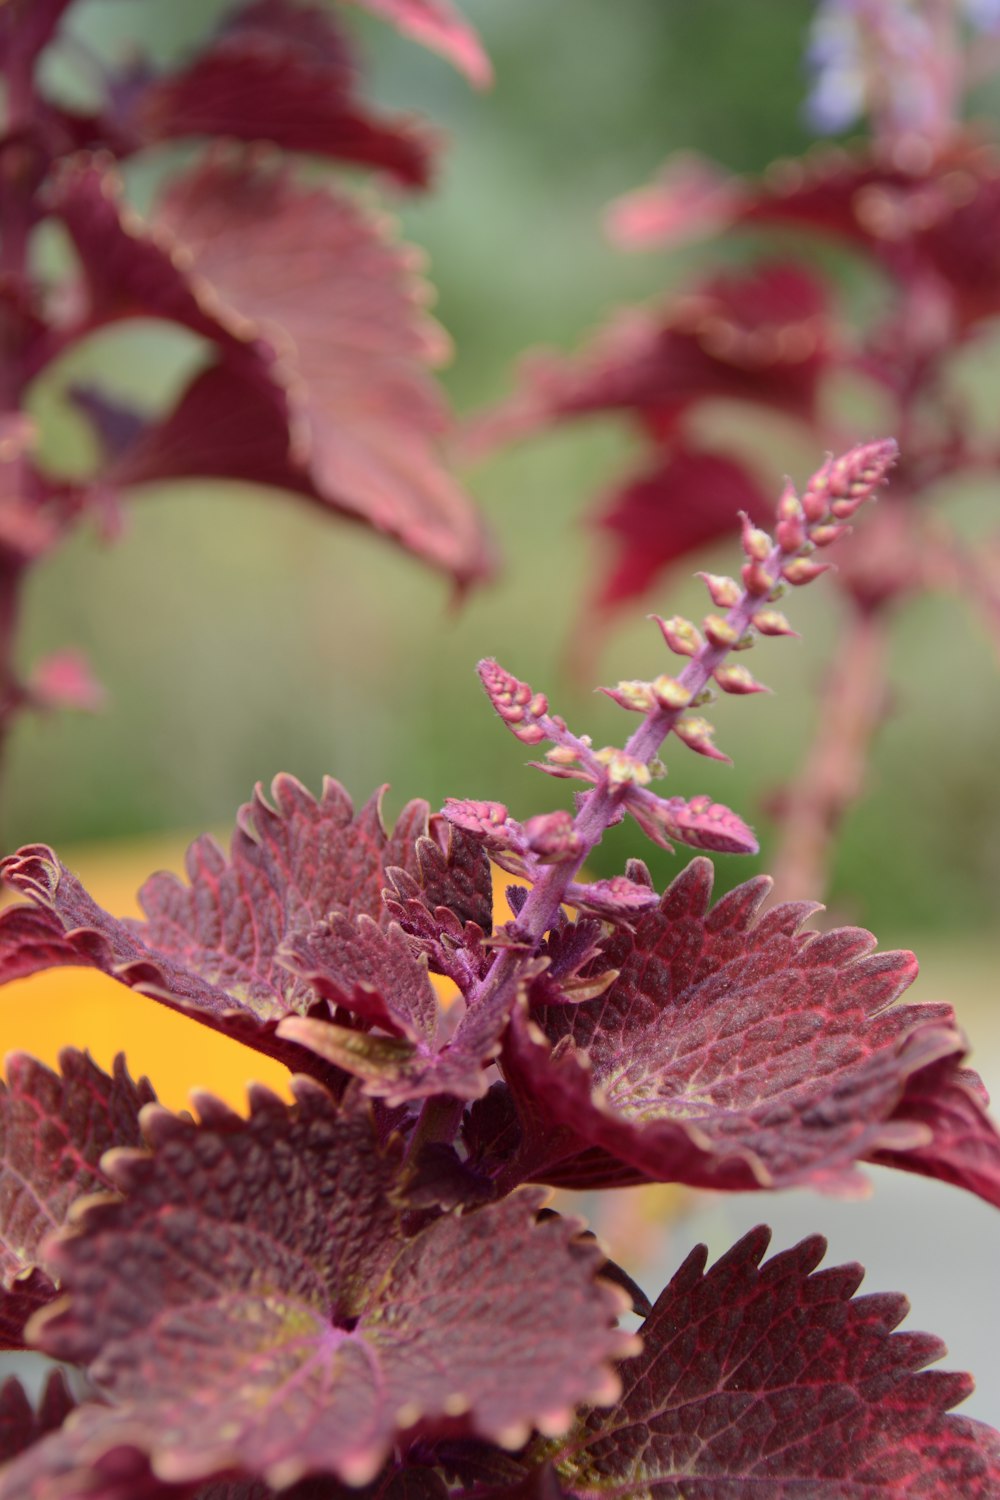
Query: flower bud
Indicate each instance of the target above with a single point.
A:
(516, 703)
(636, 696)
(824, 535)
(697, 735)
(791, 534)
(757, 580)
(679, 634)
(738, 680)
(622, 769)
(772, 622)
(553, 839)
(670, 693)
(801, 570)
(719, 631)
(724, 592)
(757, 545)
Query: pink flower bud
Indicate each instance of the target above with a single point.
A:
(756, 543)
(802, 570)
(757, 580)
(789, 507)
(772, 622)
(635, 696)
(791, 534)
(724, 592)
(697, 734)
(489, 822)
(553, 839)
(515, 702)
(622, 769)
(679, 634)
(720, 632)
(823, 536)
(670, 693)
(738, 680)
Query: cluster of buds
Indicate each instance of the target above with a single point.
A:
(803, 525)
(522, 710)
(620, 777)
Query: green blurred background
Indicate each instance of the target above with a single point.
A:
(240, 632)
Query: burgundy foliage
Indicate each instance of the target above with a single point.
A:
(315, 377)
(362, 1292)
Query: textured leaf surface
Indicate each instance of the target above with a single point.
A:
(439, 25)
(54, 1129)
(276, 1322)
(339, 380)
(740, 1054)
(212, 945)
(294, 57)
(774, 1380)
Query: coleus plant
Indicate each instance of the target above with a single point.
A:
(363, 1290)
(317, 344)
(918, 204)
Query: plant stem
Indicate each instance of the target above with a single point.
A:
(852, 707)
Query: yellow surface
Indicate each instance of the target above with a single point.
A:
(82, 1008)
(85, 1009)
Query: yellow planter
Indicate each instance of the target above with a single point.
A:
(85, 1009)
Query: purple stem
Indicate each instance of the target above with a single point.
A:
(599, 808)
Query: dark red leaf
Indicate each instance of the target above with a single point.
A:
(22, 1424)
(945, 209)
(776, 1380)
(26, 26)
(54, 1129)
(276, 1322)
(950, 1103)
(736, 1053)
(762, 335)
(337, 383)
(296, 59)
(438, 25)
(212, 947)
(377, 977)
(686, 500)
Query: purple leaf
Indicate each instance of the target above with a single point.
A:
(776, 1380)
(699, 822)
(54, 1129)
(616, 899)
(735, 1053)
(212, 946)
(295, 58)
(348, 414)
(276, 1322)
(380, 976)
